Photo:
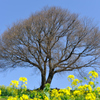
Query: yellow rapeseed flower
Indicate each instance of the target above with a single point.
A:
(90, 96)
(70, 77)
(90, 76)
(36, 99)
(23, 79)
(87, 88)
(25, 97)
(93, 73)
(68, 88)
(81, 88)
(77, 92)
(14, 83)
(75, 82)
(24, 86)
(98, 89)
(25, 82)
(65, 91)
(12, 98)
(55, 93)
(0, 92)
(46, 98)
(91, 83)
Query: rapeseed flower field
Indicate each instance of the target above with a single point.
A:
(78, 91)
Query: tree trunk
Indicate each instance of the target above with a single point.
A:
(43, 82)
(50, 77)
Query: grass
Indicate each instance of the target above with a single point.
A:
(3, 98)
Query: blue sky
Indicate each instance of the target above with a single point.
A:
(14, 10)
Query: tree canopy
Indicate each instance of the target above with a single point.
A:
(53, 39)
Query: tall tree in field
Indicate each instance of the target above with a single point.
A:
(51, 39)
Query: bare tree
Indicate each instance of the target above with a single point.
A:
(51, 39)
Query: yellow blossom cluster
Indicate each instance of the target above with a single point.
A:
(70, 77)
(23, 79)
(77, 92)
(93, 73)
(24, 97)
(80, 92)
(91, 83)
(75, 82)
(14, 83)
(12, 98)
(0, 92)
(90, 96)
(98, 90)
